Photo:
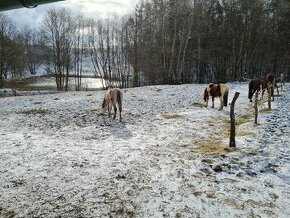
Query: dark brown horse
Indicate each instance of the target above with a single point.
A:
(255, 85)
(271, 82)
(219, 90)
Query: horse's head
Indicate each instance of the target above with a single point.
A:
(208, 91)
(210, 86)
(214, 90)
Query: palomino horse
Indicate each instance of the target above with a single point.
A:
(113, 97)
(219, 90)
(256, 85)
(271, 82)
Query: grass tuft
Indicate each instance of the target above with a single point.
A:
(244, 119)
(171, 116)
(197, 104)
(239, 204)
(265, 110)
(240, 132)
(213, 148)
(95, 110)
(35, 111)
(210, 147)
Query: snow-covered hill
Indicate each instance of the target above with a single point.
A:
(169, 158)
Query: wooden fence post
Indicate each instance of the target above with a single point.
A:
(282, 81)
(256, 107)
(233, 121)
(269, 97)
(276, 87)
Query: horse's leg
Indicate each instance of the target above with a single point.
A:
(250, 91)
(115, 110)
(109, 109)
(120, 111)
(251, 95)
(262, 94)
(222, 102)
(120, 115)
(212, 102)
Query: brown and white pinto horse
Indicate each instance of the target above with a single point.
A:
(256, 85)
(271, 82)
(113, 97)
(219, 90)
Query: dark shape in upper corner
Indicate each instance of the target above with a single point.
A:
(14, 4)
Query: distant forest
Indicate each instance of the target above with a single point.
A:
(160, 42)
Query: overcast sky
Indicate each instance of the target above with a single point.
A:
(90, 8)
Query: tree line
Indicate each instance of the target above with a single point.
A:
(160, 42)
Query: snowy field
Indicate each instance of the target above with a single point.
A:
(59, 157)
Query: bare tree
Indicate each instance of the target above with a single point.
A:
(33, 51)
(79, 44)
(161, 42)
(107, 42)
(7, 35)
(18, 58)
(58, 29)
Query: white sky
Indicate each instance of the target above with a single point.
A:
(90, 8)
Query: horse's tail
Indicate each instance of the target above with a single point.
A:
(205, 95)
(119, 100)
(250, 94)
(226, 94)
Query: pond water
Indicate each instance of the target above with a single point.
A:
(49, 83)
